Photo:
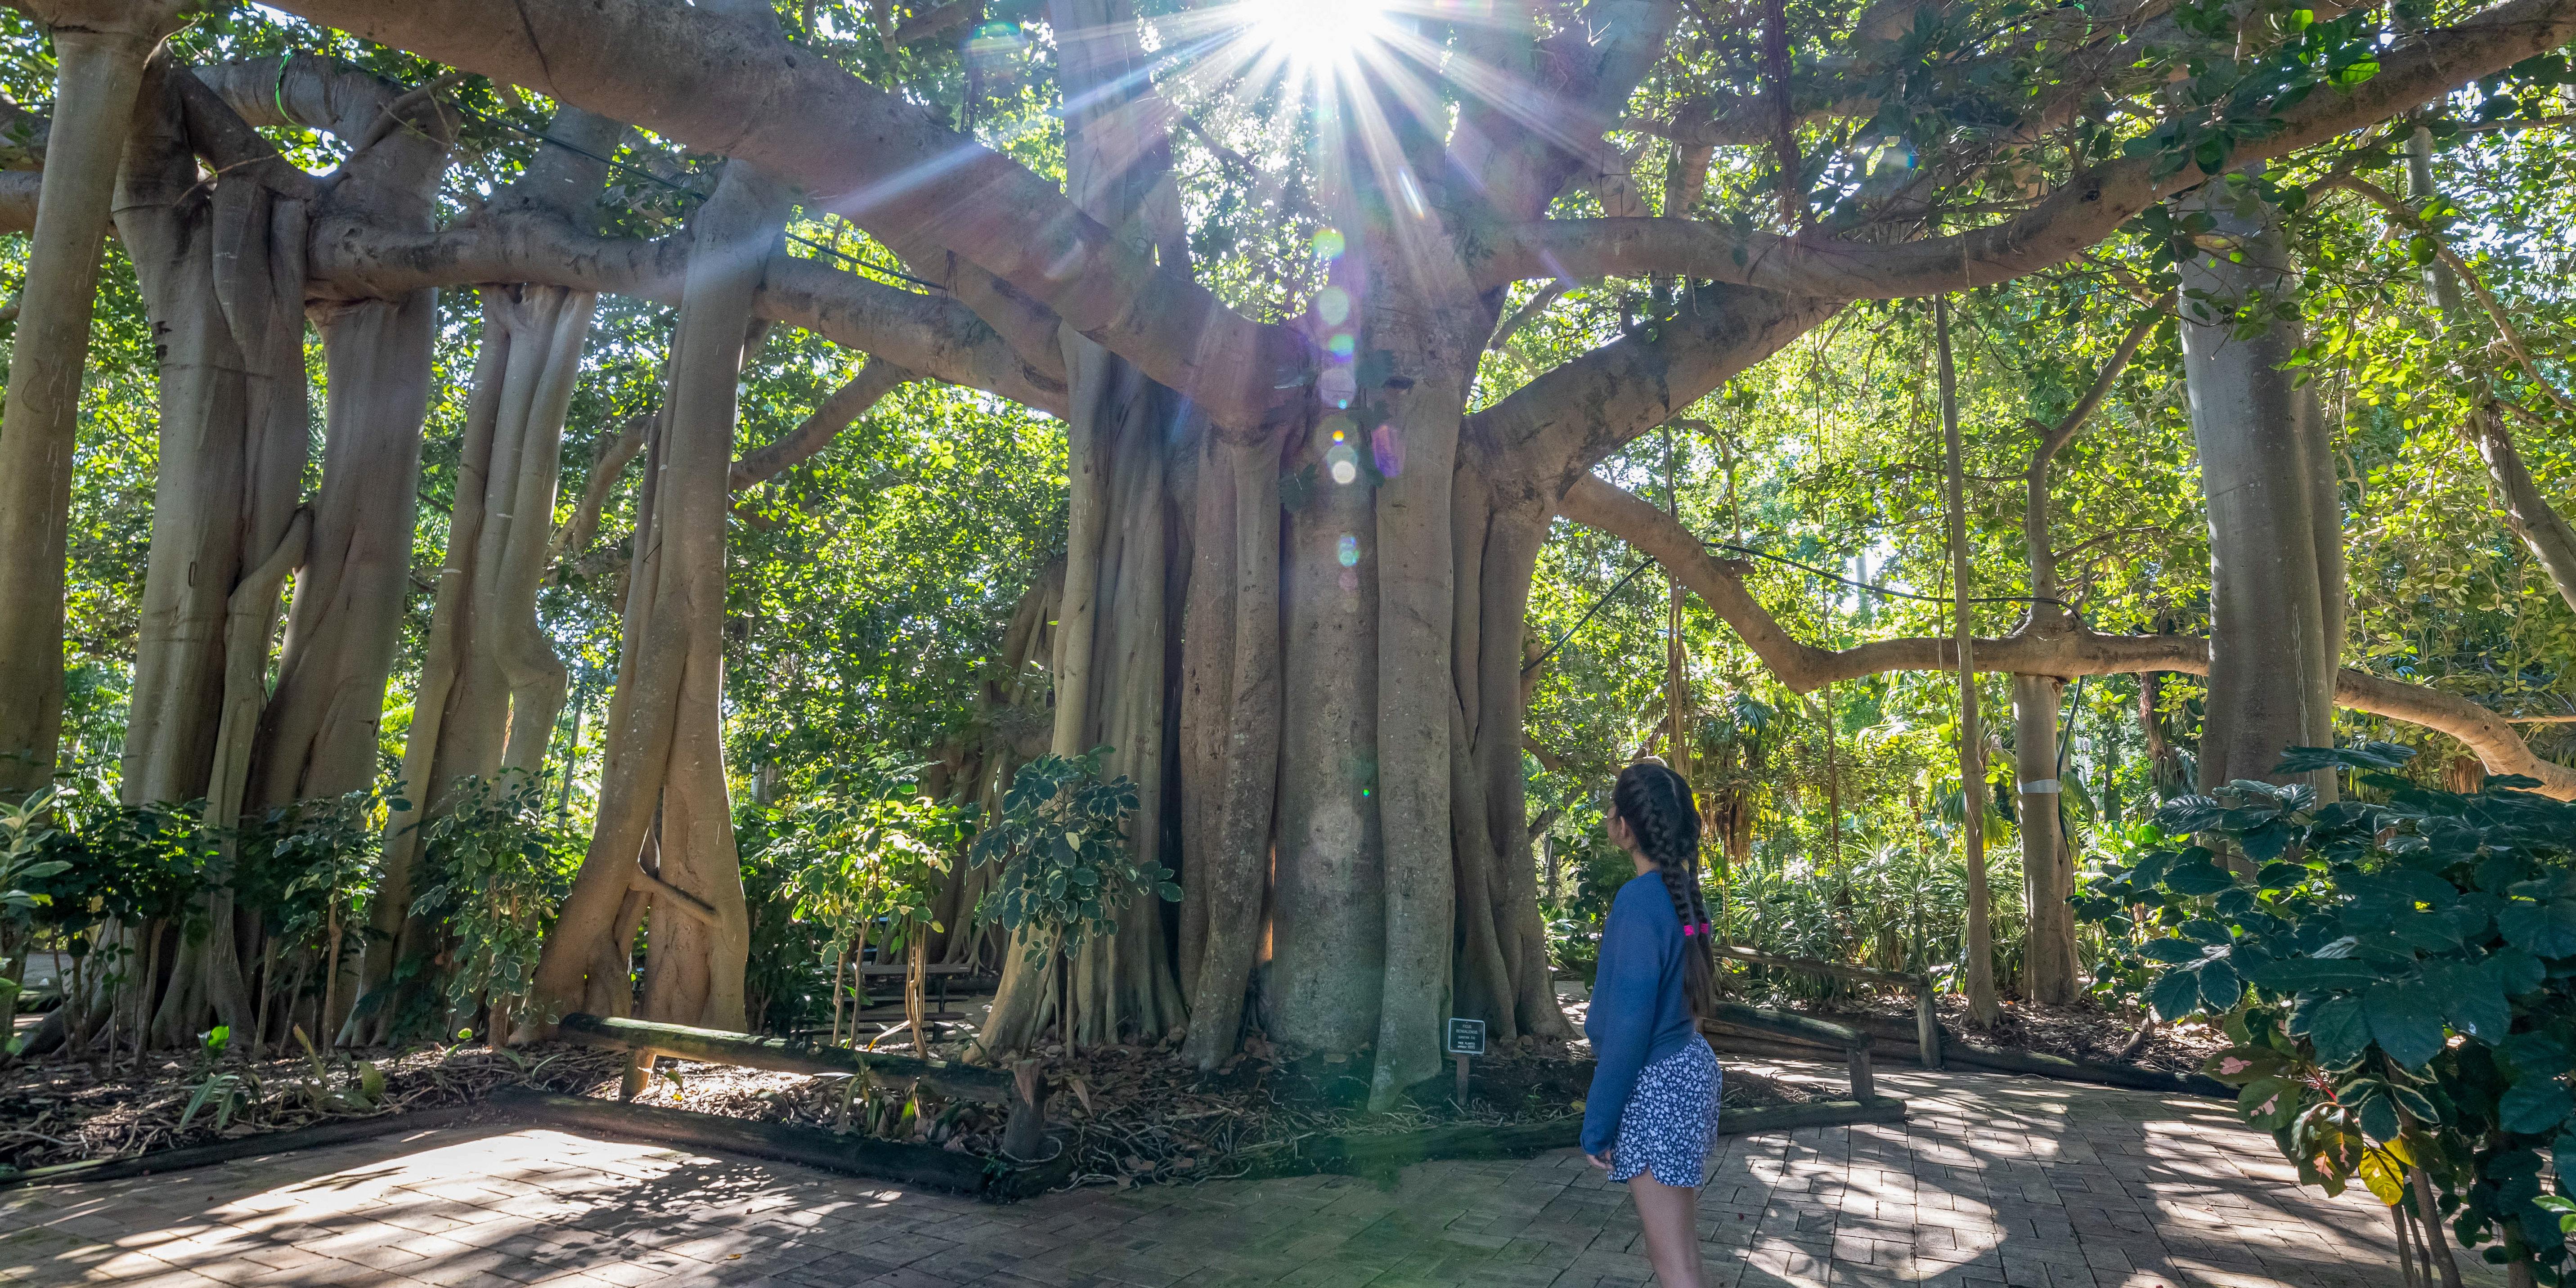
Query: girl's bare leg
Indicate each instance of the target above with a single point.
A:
(1671, 1217)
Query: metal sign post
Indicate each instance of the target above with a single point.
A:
(1465, 1041)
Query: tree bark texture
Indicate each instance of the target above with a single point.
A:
(2049, 961)
(1115, 674)
(318, 736)
(99, 52)
(2527, 511)
(2275, 516)
(490, 684)
(665, 740)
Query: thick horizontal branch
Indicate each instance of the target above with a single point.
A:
(2070, 219)
(934, 335)
(1576, 414)
(723, 85)
(1802, 667)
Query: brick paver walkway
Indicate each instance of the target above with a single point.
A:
(1993, 1181)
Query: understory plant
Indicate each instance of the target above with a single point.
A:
(867, 855)
(2398, 977)
(22, 860)
(328, 855)
(500, 861)
(1060, 840)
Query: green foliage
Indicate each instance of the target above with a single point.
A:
(22, 858)
(228, 1090)
(866, 855)
(329, 853)
(2399, 977)
(1061, 844)
(122, 862)
(500, 860)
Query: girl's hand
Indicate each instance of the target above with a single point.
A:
(1602, 1160)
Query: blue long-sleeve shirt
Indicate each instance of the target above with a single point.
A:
(1638, 1012)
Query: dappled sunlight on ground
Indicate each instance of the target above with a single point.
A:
(1992, 1181)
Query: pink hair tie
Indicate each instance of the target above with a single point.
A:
(1689, 929)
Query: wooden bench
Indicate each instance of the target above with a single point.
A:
(1735, 1017)
(1927, 1022)
(1023, 1090)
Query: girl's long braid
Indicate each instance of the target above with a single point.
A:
(1656, 804)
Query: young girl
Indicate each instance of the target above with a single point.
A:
(1652, 1111)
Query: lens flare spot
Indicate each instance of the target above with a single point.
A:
(1337, 386)
(1329, 243)
(1342, 345)
(1333, 305)
(1343, 463)
(1349, 552)
(1351, 581)
(1388, 447)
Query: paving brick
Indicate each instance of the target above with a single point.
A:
(1993, 1182)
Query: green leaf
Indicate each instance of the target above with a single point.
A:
(2302, 974)
(2177, 994)
(2377, 1114)
(2471, 1002)
(2416, 1104)
(2201, 878)
(2219, 986)
(2406, 1022)
(2534, 1104)
(2338, 1029)
(2542, 929)
(2172, 952)
(2514, 971)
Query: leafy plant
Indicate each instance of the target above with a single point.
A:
(329, 853)
(2399, 979)
(228, 1090)
(22, 859)
(501, 863)
(1060, 841)
(867, 854)
(112, 865)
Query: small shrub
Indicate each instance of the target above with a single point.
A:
(2399, 980)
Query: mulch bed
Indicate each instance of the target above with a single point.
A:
(56, 1110)
(1130, 1114)
(2084, 1029)
(1136, 1114)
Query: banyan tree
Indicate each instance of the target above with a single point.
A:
(1303, 521)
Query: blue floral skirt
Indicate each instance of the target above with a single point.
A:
(1670, 1121)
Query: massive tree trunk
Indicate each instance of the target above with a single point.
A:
(1124, 577)
(317, 737)
(490, 683)
(99, 51)
(222, 278)
(2275, 513)
(665, 769)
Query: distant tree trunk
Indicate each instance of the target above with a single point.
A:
(2527, 511)
(2049, 964)
(2164, 762)
(1978, 971)
(2275, 514)
(99, 51)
